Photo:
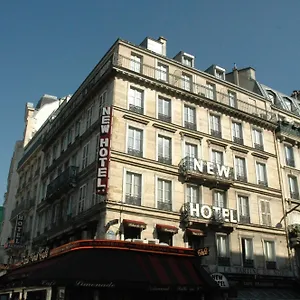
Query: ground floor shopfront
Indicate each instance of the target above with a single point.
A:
(103, 269)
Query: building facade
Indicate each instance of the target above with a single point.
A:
(149, 148)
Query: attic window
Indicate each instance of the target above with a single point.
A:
(271, 96)
(187, 61)
(288, 104)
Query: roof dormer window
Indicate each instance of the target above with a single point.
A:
(288, 104)
(187, 61)
(220, 73)
(271, 97)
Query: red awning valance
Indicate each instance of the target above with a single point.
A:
(135, 224)
(167, 228)
(195, 232)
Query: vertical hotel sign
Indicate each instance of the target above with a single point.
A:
(104, 150)
(19, 229)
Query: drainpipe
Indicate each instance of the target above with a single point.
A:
(283, 202)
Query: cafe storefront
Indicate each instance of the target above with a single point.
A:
(109, 269)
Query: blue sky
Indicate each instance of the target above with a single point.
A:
(50, 46)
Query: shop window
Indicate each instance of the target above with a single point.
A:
(165, 237)
(132, 233)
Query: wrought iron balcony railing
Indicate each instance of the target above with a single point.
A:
(259, 147)
(62, 183)
(165, 160)
(165, 118)
(238, 140)
(196, 166)
(164, 205)
(288, 129)
(21, 208)
(200, 90)
(224, 261)
(135, 152)
(216, 133)
(245, 219)
(190, 125)
(290, 162)
(133, 200)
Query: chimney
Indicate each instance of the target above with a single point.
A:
(235, 75)
(162, 40)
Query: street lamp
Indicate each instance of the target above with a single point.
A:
(279, 225)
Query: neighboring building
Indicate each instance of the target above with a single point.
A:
(184, 158)
(28, 167)
(10, 197)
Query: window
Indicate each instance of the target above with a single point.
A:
(265, 213)
(70, 206)
(288, 104)
(135, 63)
(232, 99)
(217, 157)
(261, 170)
(289, 155)
(271, 97)
(192, 194)
(244, 211)
(270, 255)
(132, 233)
(89, 116)
(210, 91)
(135, 141)
(63, 143)
(77, 128)
(223, 250)
(240, 169)
(133, 188)
(247, 252)
(187, 61)
(190, 117)
(165, 237)
(164, 194)
(237, 132)
(82, 197)
(54, 152)
(85, 156)
(191, 150)
(186, 82)
(102, 101)
(97, 146)
(219, 199)
(95, 196)
(162, 72)
(164, 109)
(293, 185)
(258, 139)
(136, 100)
(220, 74)
(164, 150)
(70, 135)
(215, 126)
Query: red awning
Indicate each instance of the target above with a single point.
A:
(167, 228)
(98, 266)
(195, 232)
(135, 224)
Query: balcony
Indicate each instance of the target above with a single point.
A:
(190, 125)
(294, 195)
(222, 99)
(259, 147)
(271, 265)
(242, 178)
(62, 184)
(248, 263)
(135, 152)
(206, 173)
(133, 200)
(164, 118)
(224, 261)
(238, 140)
(245, 219)
(216, 133)
(290, 162)
(167, 206)
(165, 160)
(21, 208)
(137, 109)
(288, 131)
(263, 183)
